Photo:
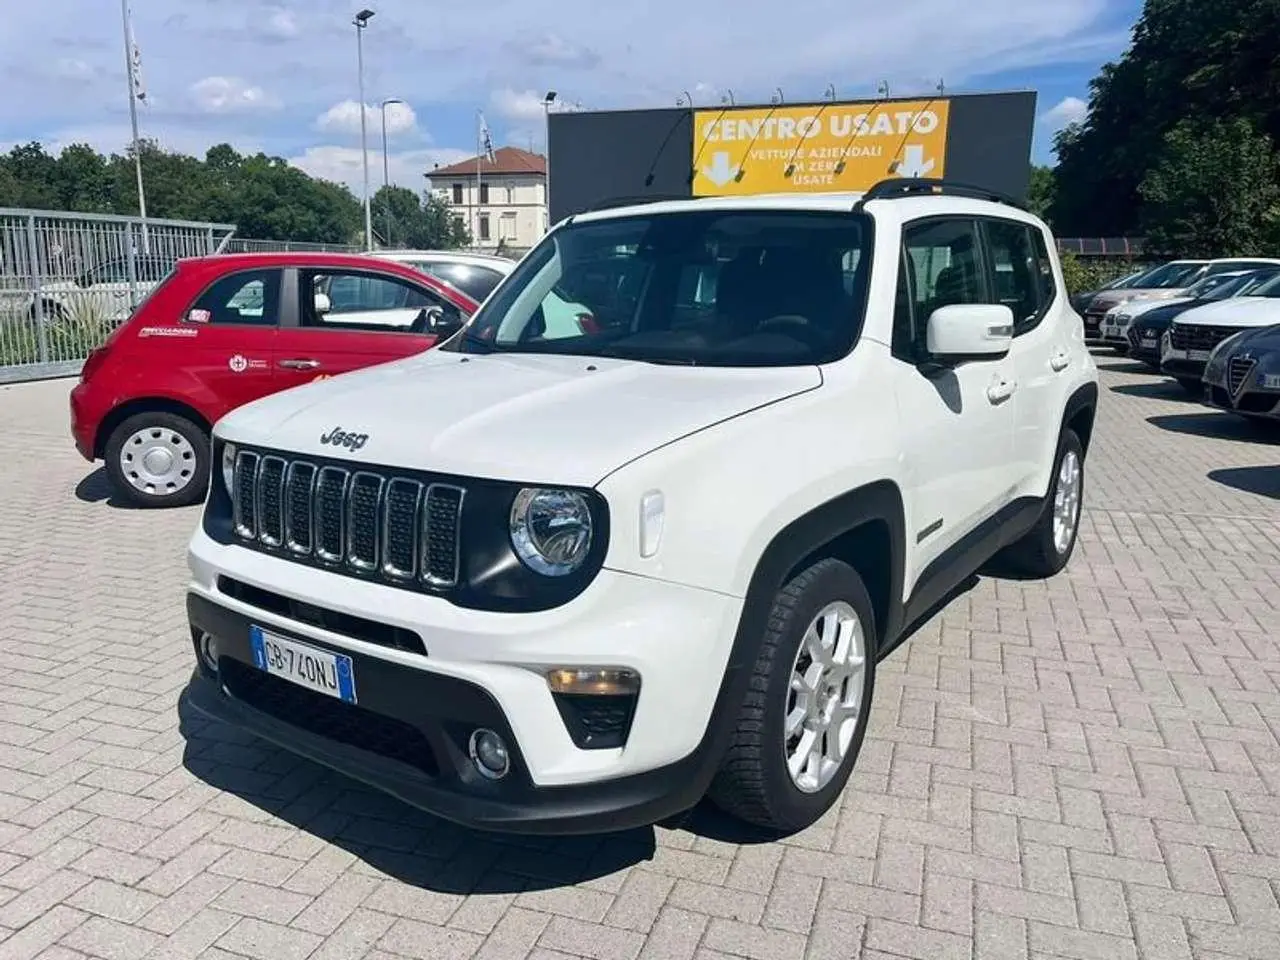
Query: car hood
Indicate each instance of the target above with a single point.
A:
(1259, 341)
(519, 417)
(1237, 312)
(1109, 299)
(1139, 307)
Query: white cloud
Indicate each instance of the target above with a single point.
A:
(230, 95)
(344, 117)
(282, 25)
(344, 165)
(524, 106)
(549, 49)
(1068, 110)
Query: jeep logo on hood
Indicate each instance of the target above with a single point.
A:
(337, 437)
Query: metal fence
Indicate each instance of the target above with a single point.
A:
(244, 245)
(68, 279)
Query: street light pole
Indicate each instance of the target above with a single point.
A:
(361, 21)
(549, 99)
(386, 177)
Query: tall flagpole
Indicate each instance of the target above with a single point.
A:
(479, 157)
(131, 66)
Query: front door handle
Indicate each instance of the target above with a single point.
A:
(1001, 390)
(300, 363)
(1060, 361)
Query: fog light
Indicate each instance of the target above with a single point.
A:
(599, 681)
(489, 754)
(209, 651)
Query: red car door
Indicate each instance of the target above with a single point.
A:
(348, 318)
(226, 342)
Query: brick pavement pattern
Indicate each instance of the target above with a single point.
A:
(1082, 769)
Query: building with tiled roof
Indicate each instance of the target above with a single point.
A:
(503, 201)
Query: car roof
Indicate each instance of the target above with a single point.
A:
(895, 208)
(444, 256)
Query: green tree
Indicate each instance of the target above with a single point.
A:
(403, 219)
(1214, 191)
(1189, 61)
(1040, 192)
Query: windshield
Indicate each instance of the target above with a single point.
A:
(1129, 281)
(1171, 276)
(1270, 288)
(1216, 287)
(706, 287)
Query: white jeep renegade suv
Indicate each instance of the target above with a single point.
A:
(573, 581)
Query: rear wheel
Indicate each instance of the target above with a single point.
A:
(1047, 547)
(159, 459)
(804, 718)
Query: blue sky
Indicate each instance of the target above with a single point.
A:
(280, 75)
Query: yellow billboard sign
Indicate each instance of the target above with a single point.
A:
(822, 148)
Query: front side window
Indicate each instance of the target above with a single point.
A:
(707, 287)
(250, 297)
(354, 300)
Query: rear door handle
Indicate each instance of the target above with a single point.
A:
(300, 363)
(1001, 391)
(1060, 361)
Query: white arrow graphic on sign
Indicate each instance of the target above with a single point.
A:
(720, 172)
(913, 163)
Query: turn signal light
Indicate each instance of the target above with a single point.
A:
(599, 682)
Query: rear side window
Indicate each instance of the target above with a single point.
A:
(250, 297)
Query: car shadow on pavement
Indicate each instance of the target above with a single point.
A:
(387, 834)
(1264, 481)
(1215, 425)
(1113, 364)
(96, 488)
(1155, 390)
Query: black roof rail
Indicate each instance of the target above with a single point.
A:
(896, 188)
(613, 202)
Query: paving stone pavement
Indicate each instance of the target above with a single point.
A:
(1083, 769)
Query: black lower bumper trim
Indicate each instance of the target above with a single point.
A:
(444, 710)
(1183, 369)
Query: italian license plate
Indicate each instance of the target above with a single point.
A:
(1148, 343)
(303, 664)
(1197, 354)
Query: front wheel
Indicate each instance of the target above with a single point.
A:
(1047, 547)
(804, 718)
(159, 459)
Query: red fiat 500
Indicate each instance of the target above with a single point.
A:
(220, 331)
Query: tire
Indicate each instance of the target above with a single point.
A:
(1193, 387)
(178, 443)
(754, 783)
(1040, 553)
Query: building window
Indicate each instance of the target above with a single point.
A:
(511, 194)
(484, 226)
(457, 193)
(484, 193)
(459, 224)
(507, 227)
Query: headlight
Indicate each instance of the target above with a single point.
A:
(551, 530)
(229, 466)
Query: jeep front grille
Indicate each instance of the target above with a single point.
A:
(360, 520)
(1191, 336)
(1238, 370)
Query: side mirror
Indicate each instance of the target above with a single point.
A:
(323, 305)
(441, 325)
(969, 331)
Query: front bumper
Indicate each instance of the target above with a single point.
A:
(481, 670)
(1183, 364)
(1144, 344)
(1255, 394)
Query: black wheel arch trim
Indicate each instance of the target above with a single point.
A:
(878, 502)
(1084, 397)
